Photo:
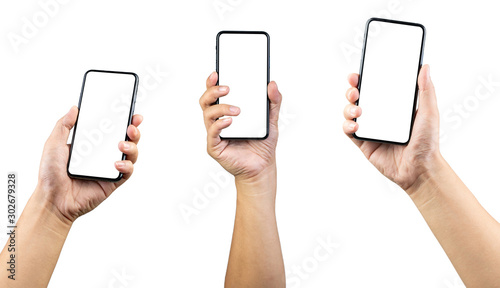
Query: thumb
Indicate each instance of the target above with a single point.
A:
(60, 134)
(275, 98)
(427, 95)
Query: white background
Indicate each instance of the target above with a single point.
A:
(326, 187)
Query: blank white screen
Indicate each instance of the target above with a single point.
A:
(102, 124)
(388, 84)
(243, 67)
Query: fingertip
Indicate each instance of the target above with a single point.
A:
(223, 123)
(119, 165)
(352, 95)
(353, 79)
(132, 132)
(350, 127)
(69, 119)
(227, 120)
(213, 135)
(212, 79)
(274, 93)
(124, 146)
(424, 78)
(125, 167)
(137, 120)
(234, 110)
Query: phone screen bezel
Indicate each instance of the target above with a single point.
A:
(268, 77)
(131, 113)
(416, 81)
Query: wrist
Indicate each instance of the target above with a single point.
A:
(47, 214)
(429, 182)
(258, 188)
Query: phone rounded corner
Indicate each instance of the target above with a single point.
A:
(265, 136)
(70, 175)
(370, 20)
(88, 72)
(355, 136)
(406, 142)
(120, 177)
(266, 34)
(421, 26)
(220, 34)
(136, 77)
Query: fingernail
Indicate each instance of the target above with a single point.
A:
(222, 88)
(226, 119)
(120, 164)
(126, 145)
(234, 109)
(352, 126)
(354, 110)
(428, 72)
(212, 75)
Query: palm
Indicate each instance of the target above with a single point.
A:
(72, 197)
(401, 164)
(248, 157)
(398, 163)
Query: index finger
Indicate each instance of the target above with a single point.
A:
(137, 120)
(353, 79)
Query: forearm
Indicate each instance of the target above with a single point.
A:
(255, 259)
(39, 240)
(468, 234)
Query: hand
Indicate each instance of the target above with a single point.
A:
(71, 198)
(401, 164)
(245, 159)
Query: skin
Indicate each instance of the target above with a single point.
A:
(56, 203)
(467, 233)
(255, 258)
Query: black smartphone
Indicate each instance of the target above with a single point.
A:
(105, 111)
(242, 63)
(390, 64)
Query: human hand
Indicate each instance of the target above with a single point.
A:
(71, 198)
(245, 159)
(401, 164)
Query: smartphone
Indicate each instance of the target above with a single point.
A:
(391, 60)
(242, 63)
(105, 111)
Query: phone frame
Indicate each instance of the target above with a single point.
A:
(268, 77)
(131, 113)
(416, 82)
